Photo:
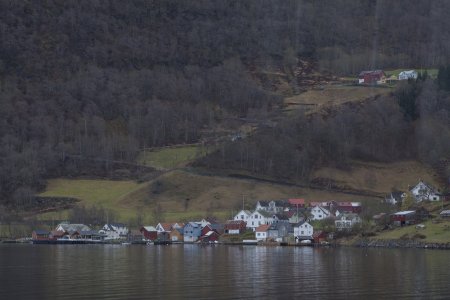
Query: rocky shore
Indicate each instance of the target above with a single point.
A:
(400, 244)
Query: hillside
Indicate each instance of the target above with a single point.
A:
(178, 196)
(135, 92)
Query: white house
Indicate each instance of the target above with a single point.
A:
(405, 75)
(261, 232)
(72, 227)
(274, 206)
(394, 198)
(303, 231)
(243, 215)
(319, 213)
(114, 231)
(424, 191)
(346, 221)
(259, 218)
(203, 222)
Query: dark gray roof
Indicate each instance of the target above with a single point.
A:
(263, 203)
(281, 217)
(265, 213)
(41, 231)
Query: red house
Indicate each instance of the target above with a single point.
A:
(406, 217)
(58, 234)
(207, 228)
(210, 236)
(235, 227)
(149, 232)
(319, 237)
(39, 235)
(372, 77)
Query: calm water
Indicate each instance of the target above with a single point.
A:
(220, 272)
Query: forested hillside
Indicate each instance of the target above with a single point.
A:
(86, 84)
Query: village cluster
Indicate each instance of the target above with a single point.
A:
(283, 221)
(421, 192)
(275, 220)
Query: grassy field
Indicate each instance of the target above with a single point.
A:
(433, 232)
(166, 158)
(15, 230)
(180, 196)
(314, 100)
(105, 193)
(379, 177)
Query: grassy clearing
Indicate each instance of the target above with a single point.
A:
(379, 177)
(434, 232)
(167, 158)
(332, 95)
(105, 193)
(223, 196)
(15, 230)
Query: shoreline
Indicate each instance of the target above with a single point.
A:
(359, 243)
(397, 243)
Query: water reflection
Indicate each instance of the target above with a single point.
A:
(220, 272)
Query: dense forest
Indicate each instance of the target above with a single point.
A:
(411, 123)
(86, 83)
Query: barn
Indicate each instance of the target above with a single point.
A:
(406, 217)
(372, 77)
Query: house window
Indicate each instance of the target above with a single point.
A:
(242, 217)
(301, 232)
(253, 223)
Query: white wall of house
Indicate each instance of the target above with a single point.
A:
(405, 75)
(319, 213)
(243, 215)
(346, 222)
(256, 219)
(423, 192)
(113, 231)
(110, 234)
(261, 235)
(304, 229)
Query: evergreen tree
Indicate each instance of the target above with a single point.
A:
(408, 201)
(443, 78)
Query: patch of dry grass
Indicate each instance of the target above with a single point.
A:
(313, 100)
(380, 177)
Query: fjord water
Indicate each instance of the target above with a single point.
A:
(220, 272)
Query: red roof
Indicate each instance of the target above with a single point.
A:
(166, 226)
(262, 228)
(296, 201)
(235, 224)
(290, 213)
